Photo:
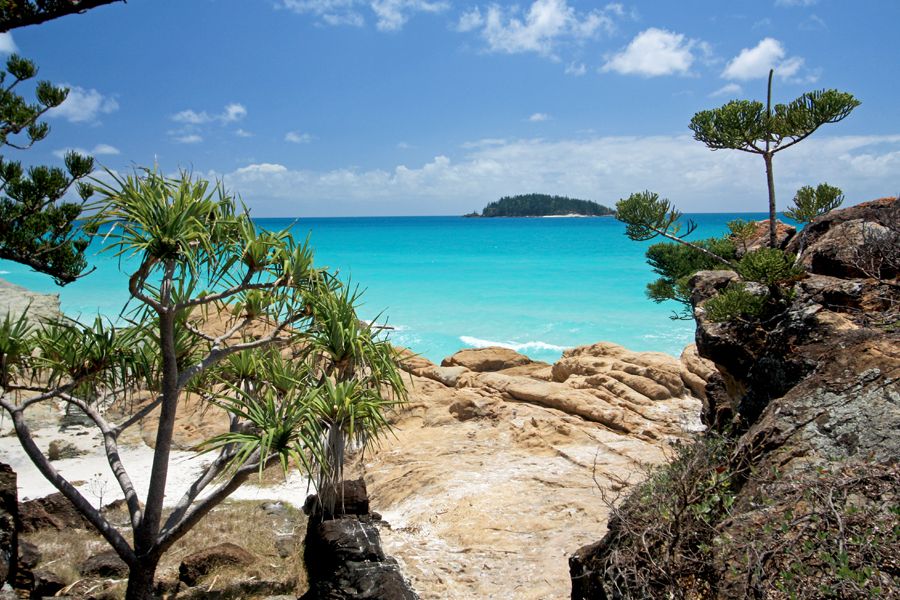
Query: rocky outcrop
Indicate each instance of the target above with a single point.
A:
(197, 565)
(104, 564)
(489, 476)
(809, 403)
(486, 359)
(16, 300)
(53, 512)
(344, 557)
(784, 233)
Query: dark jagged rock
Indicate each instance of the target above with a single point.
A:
(9, 524)
(51, 512)
(343, 553)
(809, 401)
(198, 565)
(104, 564)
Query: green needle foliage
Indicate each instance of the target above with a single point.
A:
(240, 318)
(677, 263)
(37, 227)
(811, 202)
(757, 128)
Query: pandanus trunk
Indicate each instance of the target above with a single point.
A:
(140, 581)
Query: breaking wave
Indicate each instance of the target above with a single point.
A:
(517, 346)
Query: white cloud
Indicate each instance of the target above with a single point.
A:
(546, 24)
(654, 52)
(754, 63)
(576, 69)
(390, 15)
(243, 133)
(188, 138)
(99, 149)
(604, 169)
(7, 44)
(295, 137)
(83, 105)
(729, 89)
(231, 113)
(538, 117)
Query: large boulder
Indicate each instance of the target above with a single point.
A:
(784, 233)
(51, 512)
(492, 358)
(104, 564)
(16, 300)
(194, 567)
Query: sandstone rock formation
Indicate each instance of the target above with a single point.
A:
(810, 405)
(491, 477)
(15, 300)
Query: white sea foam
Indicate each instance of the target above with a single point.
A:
(517, 346)
(4, 272)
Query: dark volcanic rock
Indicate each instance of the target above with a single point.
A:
(343, 553)
(104, 564)
(347, 498)
(46, 584)
(198, 565)
(9, 524)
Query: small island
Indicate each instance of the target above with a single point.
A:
(543, 205)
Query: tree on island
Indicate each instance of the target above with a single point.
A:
(748, 126)
(21, 13)
(540, 205)
(37, 228)
(234, 317)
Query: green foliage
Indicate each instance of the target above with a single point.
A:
(750, 126)
(646, 216)
(37, 227)
(734, 303)
(770, 267)
(811, 202)
(539, 205)
(677, 263)
(742, 231)
(21, 13)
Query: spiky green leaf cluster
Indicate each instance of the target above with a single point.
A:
(770, 267)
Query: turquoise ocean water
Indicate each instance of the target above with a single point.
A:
(535, 285)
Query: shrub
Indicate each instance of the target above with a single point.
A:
(736, 302)
(770, 267)
(810, 202)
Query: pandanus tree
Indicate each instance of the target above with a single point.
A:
(750, 126)
(237, 317)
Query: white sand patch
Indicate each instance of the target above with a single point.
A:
(96, 482)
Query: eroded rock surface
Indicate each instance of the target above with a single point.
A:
(489, 483)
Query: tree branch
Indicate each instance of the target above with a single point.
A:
(32, 16)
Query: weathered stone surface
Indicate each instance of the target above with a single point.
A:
(346, 498)
(46, 584)
(486, 359)
(9, 524)
(498, 471)
(194, 567)
(784, 233)
(815, 386)
(53, 511)
(104, 564)
(343, 554)
(15, 300)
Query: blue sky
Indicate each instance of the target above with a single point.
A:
(399, 107)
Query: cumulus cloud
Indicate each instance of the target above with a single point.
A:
(7, 44)
(538, 117)
(655, 52)
(231, 113)
(546, 24)
(390, 15)
(729, 89)
(576, 69)
(600, 168)
(83, 105)
(188, 138)
(99, 149)
(754, 63)
(243, 133)
(296, 137)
